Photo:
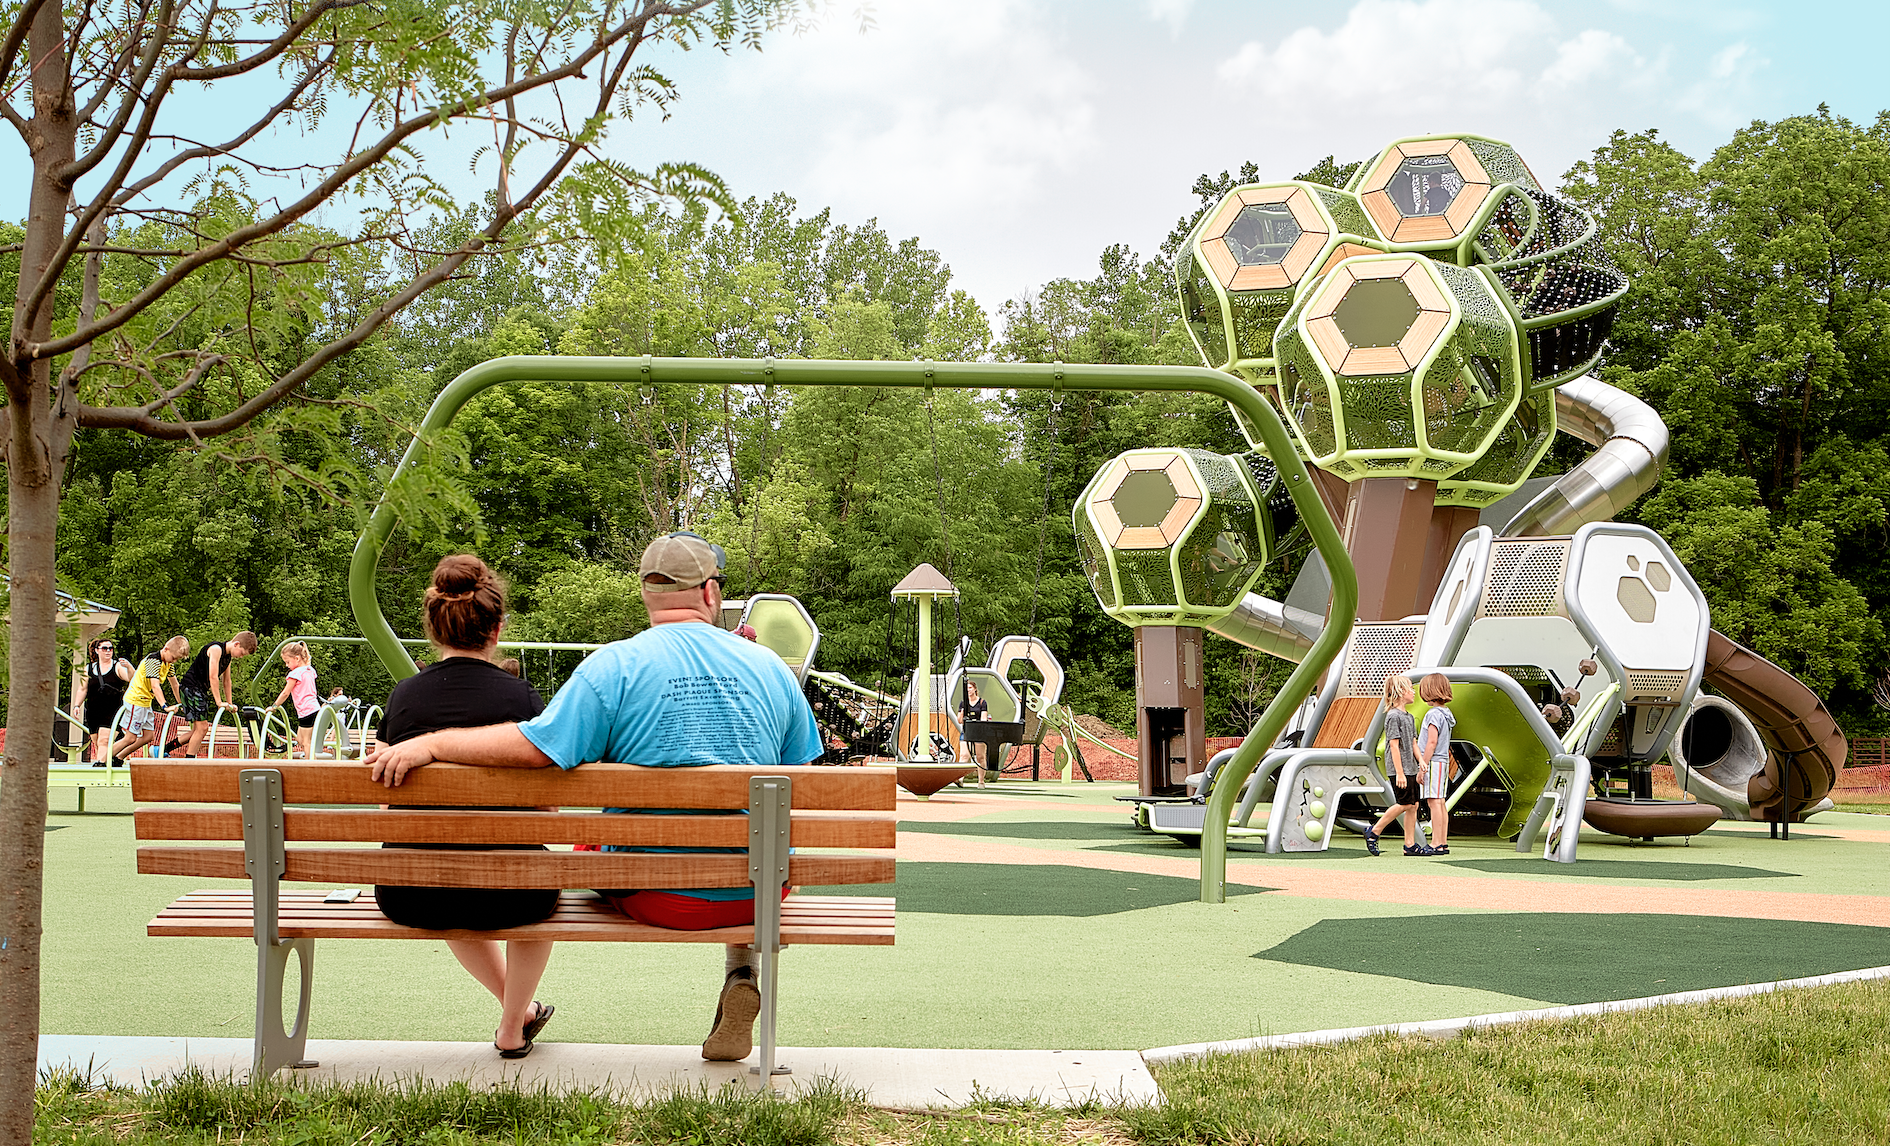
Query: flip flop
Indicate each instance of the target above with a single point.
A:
(515, 1052)
(545, 1011)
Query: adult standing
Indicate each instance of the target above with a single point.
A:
(682, 693)
(102, 694)
(205, 685)
(462, 613)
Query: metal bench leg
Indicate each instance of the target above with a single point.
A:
(276, 1045)
(769, 801)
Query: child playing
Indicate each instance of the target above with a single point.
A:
(1401, 766)
(300, 686)
(1434, 752)
(147, 686)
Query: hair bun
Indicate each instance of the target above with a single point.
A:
(460, 575)
(465, 604)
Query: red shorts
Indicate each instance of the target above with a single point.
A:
(684, 912)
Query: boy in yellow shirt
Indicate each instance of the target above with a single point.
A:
(147, 686)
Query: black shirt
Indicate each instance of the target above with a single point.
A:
(456, 692)
(197, 677)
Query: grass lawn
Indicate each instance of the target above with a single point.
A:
(1809, 1066)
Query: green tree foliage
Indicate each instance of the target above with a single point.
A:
(1757, 326)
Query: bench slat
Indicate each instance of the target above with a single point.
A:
(581, 917)
(414, 826)
(343, 866)
(591, 786)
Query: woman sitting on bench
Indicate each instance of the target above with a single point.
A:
(462, 688)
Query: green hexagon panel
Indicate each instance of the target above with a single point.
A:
(1171, 536)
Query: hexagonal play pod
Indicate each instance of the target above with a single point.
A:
(1398, 366)
(1425, 194)
(1247, 256)
(1171, 536)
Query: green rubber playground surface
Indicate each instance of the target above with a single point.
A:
(1036, 916)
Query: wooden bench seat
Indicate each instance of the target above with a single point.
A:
(581, 917)
(765, 811)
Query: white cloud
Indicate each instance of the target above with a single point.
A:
(1592, 56)
(971, 106)
(1721, 95)
(1399, 56)
(1174, 13)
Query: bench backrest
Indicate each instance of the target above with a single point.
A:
(831, 807)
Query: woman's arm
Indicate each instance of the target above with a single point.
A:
(124, 670)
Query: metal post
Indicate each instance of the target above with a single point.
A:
(770, 800)
(265, 859)
(922, 681)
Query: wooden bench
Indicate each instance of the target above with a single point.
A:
(765, 810)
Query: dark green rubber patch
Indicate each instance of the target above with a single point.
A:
(1043, 889)
(1579, 958)
(1622, 869)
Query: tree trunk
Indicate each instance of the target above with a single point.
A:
(33, 508)
(39, 429)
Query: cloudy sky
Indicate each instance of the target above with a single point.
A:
(1020, 137)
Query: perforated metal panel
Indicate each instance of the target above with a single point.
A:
(1651, 687)
(1377, 652)
(1525, 579)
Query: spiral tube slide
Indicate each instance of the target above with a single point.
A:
(1632, 449)
(1805, 746)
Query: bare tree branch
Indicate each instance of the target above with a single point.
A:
(339, 178)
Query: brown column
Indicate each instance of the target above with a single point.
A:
(1448, 525)
(1333, 491)
(1387, 525)
(1170, 716)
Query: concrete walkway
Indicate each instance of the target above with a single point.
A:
(889, 1077)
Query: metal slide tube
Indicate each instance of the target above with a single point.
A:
(1270, 626)
(1055, 376)
(1632, 448)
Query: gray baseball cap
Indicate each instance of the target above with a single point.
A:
(685, 558)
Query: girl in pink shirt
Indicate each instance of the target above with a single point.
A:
(300, 687)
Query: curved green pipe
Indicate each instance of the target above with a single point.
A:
(915, 375)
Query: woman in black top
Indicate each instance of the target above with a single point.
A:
(464, 689)
(103, 694)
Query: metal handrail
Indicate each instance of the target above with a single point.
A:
(1054, 377)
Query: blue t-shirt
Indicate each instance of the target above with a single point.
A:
(677, 696)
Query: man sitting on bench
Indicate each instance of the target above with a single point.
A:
(681, 693)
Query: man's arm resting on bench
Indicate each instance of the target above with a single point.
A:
(494, 746)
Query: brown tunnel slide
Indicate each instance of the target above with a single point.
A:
(1805, 747)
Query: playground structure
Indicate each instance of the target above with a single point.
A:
(1418, 336)
(861, 722)
(1424, 332)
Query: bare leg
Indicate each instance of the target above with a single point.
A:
(484, 960)
(198, 730)
(132, 742)
(525, 962)
(511, 973)
(1440, 824)
(301, 742)
(1384, 821)
(1410, 826)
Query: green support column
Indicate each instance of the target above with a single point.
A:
(916, 375)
